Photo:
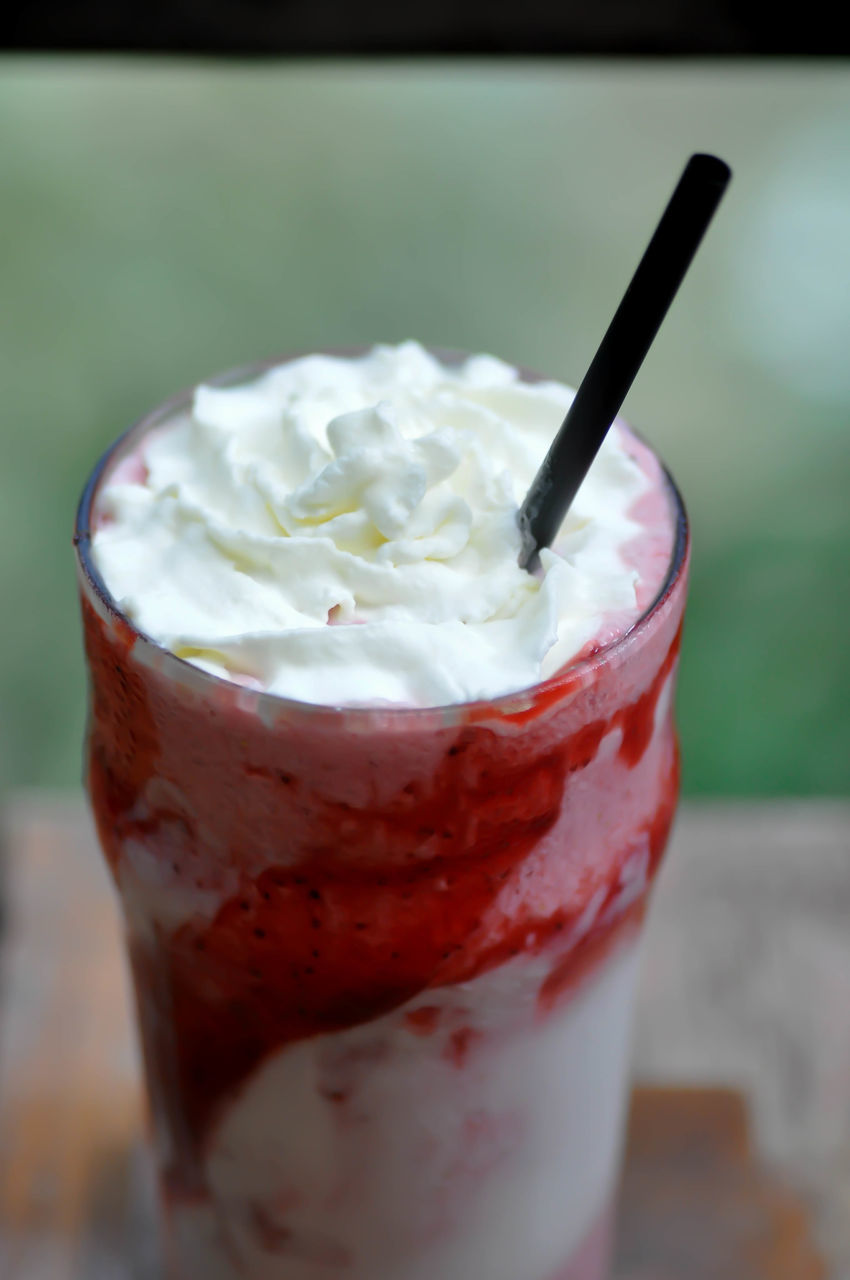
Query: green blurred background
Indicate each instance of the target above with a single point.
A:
(162, 220)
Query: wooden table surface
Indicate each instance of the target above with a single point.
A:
(738, 1162)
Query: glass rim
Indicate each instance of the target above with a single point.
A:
(505, 704)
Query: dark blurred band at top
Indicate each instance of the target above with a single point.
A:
(374, 27)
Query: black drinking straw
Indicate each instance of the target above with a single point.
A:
(621, 352)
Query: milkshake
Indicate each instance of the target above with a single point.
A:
(383, 811)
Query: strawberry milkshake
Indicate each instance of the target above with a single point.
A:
(383, 810)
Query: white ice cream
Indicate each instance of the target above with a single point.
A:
(498, 1168)
(382, 492)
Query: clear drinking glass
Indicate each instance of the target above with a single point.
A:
(384, 959)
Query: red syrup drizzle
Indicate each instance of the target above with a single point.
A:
(424, 1020)
(637, 720)
(123, 739)
(337, 941)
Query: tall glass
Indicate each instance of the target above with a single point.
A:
(384, 959)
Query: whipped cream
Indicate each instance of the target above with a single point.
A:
(343, 531)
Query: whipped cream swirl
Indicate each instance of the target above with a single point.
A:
(343, 531)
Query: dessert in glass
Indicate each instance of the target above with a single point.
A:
(383, 811)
